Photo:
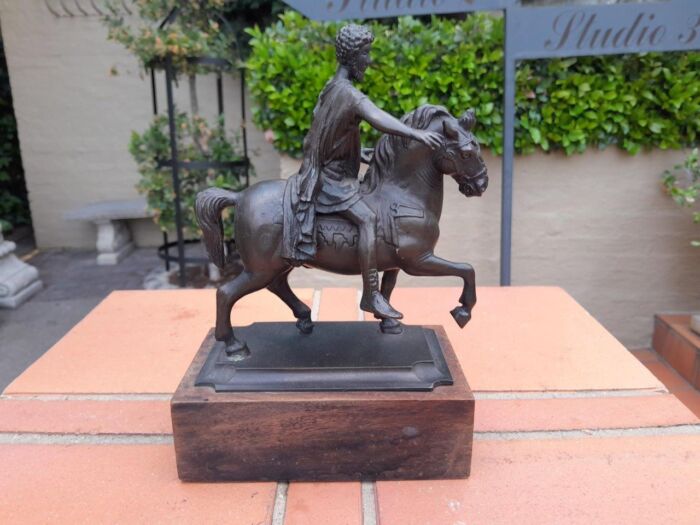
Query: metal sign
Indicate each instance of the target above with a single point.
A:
(541, 32)
(344, 9)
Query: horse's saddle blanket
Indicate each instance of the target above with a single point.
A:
(334, 230)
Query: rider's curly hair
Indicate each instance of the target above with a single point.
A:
(349, 40)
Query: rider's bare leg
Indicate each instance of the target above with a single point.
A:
(372, 300)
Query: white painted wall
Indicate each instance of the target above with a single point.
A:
(75, 118)
(596, 224)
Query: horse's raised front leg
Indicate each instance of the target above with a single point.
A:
(280, 287)
(226, 297)
(432, 265)
(389, 326)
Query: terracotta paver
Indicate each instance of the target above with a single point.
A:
(645, 355)
(510, 415)
(321, 503)
(690, 398)
(604, 481)
(667, 375)
(338, 304)
(528, 339)
(85, 417)
(678, 345)
(139, 342)
(677, 385)
(681, 323)
(324, 503)
(118, 484)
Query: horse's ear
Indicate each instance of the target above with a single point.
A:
(468, 120)
(450, 129)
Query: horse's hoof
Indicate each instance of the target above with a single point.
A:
(305, 325)
(236, 350)
(461, 316)
(390, 326)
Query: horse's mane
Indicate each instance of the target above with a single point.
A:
(390, 145)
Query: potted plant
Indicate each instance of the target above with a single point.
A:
(682, 184)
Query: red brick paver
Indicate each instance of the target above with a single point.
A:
(528, 339)
(85, 416)
(103, 384)
(139, 342)
(514, 415)
(603, 481)
(321, 503)
(118, 484)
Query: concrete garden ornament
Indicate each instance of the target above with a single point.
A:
(325, 217)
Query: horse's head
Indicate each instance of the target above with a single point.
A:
(460, 155)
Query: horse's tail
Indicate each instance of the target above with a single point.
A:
(208, 207)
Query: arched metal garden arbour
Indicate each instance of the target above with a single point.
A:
(241, 167)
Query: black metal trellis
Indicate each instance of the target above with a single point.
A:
(242, 166)
(85, 8)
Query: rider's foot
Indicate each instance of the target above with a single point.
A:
(375, 303)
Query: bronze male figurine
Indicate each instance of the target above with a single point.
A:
(327, 182)
(324, 217)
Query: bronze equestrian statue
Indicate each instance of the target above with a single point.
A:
(324, 217)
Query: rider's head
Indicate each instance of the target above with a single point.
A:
(352, 45)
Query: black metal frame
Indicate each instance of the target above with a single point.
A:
(220, 66)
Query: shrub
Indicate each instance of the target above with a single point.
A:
(632, 101)
(194, 32)
(196, 141)
(682, 184)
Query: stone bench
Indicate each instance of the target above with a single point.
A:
(113, 234)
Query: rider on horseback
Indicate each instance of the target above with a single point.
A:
(327, 181)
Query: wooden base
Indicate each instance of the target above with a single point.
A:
(323, 436)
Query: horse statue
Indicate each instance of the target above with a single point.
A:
(403, 185)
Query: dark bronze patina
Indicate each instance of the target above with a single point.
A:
(324, 217)
(281, 360)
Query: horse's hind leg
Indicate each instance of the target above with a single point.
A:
(226, 297)
(433, 265)
(389, 326)
(280, 287)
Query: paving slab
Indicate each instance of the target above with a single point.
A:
(525, 338)
(73, 285)
(597, 480)
(68, 416)
(139, 342)
(338, 304)
(587, 413)
(118, 484)
(28, 332)
(321, 503)
(324, 503)
(105, 380)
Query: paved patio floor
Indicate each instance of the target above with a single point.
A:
(73, 285)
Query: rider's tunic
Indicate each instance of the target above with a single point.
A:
(327, 180)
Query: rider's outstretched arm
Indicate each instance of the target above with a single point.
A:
(386, 123)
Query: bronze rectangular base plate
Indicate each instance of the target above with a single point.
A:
(323, 435)
(281, 359)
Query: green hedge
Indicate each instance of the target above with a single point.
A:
(633, 101)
